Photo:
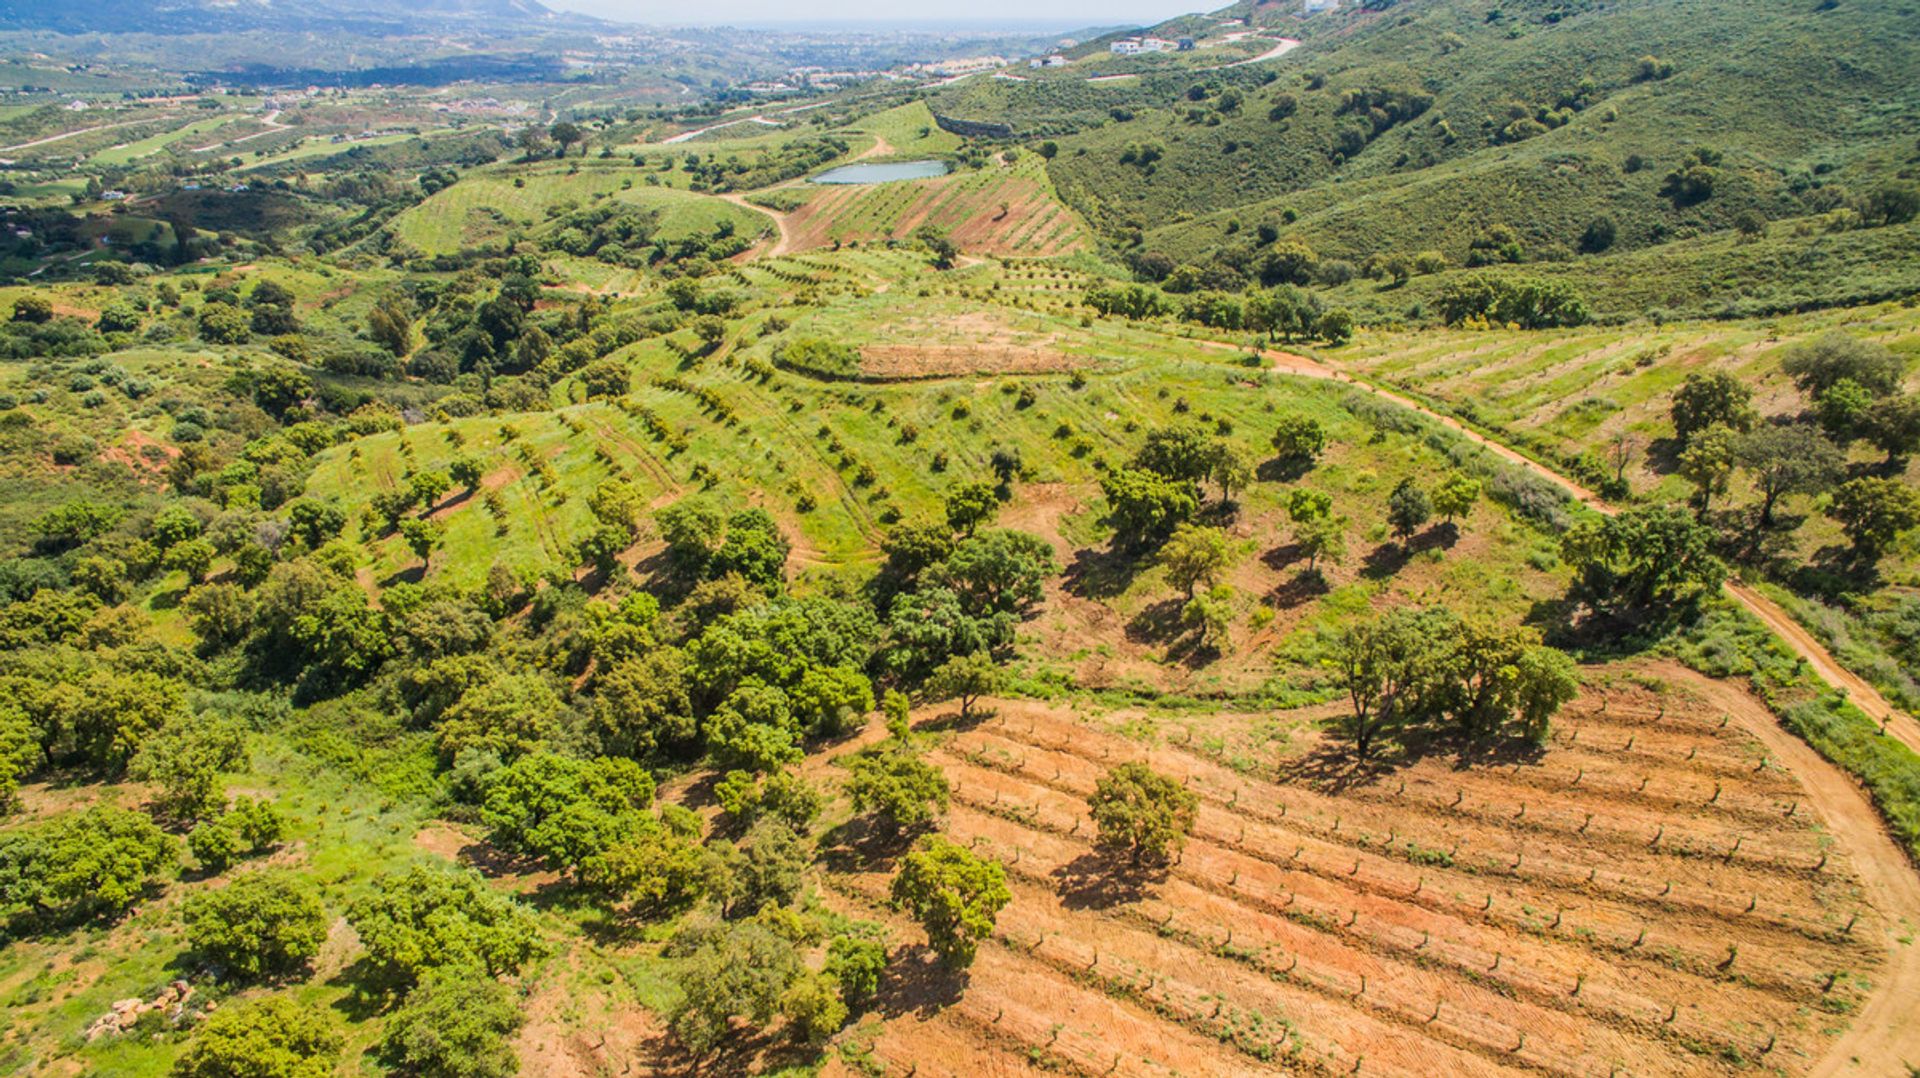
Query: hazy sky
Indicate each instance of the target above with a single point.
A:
(1018, 14)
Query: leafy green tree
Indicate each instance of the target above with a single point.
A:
(855, 962)
(1142, 813)
(390, 324)
(1144, 506)
(275, 1037)
(508, 715)
(316, 523)
(641, 704)
(193, 557)
(999, 572)
(33, 309)
(185, 759)
(1709, 400)
(1455, 495)
(1335, 326)
(1642, 558)
(768, 867)
(422, 537)
(456, 1023)
(955, 896)
(81, 865)
(1232, 472)
(1841, 410)
(754, 548)
(465, 471)
(1195, 555)
(1305, 506)
(693, 531)
(1543, 680)
(1892, 424)
(735, 971)
(1408, 507)
(250, 827)
(829, 698)
(941, 250)
(172, 525)
(1875, 512)
(929, 626)
(418, 919)
(658, 863)
(114, 714)
(1818, 365)
(610, 377)
(1321, 537)
(222, 323)
(902, 790)
(19, 751)
(1708, 462)
(813, 1008)
(565, 133)
(965, 678)
(563, 809)
(259, 924)
(970, 505)
(1209, 614)
(912, 549)
(1182, 452)
(1785, 460)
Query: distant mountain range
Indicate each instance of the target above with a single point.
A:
(229, 16)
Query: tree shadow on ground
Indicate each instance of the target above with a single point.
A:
(1100, 574)
(955, 721)
(1385, 561)
(1282, 556)
(1333, 768)
(1097, 880)
(412, 574)
(864, 844)
(1663, 455)
(1193, 651)
(1158, 623)
(1834, 574)
(1278, 470)
(1303, 587)
(369, 992)
(919, 983)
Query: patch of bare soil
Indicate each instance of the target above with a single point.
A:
(576, 1030)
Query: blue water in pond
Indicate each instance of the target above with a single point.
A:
(882, 172)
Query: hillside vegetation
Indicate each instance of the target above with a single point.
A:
(1384, 542)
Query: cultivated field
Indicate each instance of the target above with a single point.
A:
(1002, 209)
(1658, 891)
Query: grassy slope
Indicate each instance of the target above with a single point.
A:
(1760, 84)
(464, 215)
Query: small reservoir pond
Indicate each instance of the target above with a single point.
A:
(882, 172)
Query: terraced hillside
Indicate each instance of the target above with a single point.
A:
(1005, 208)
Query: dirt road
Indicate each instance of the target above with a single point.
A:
(782, 239)
(1883, 1037)
(73, 134)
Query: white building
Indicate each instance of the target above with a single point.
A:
(1055, 60)
(1132, 46)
